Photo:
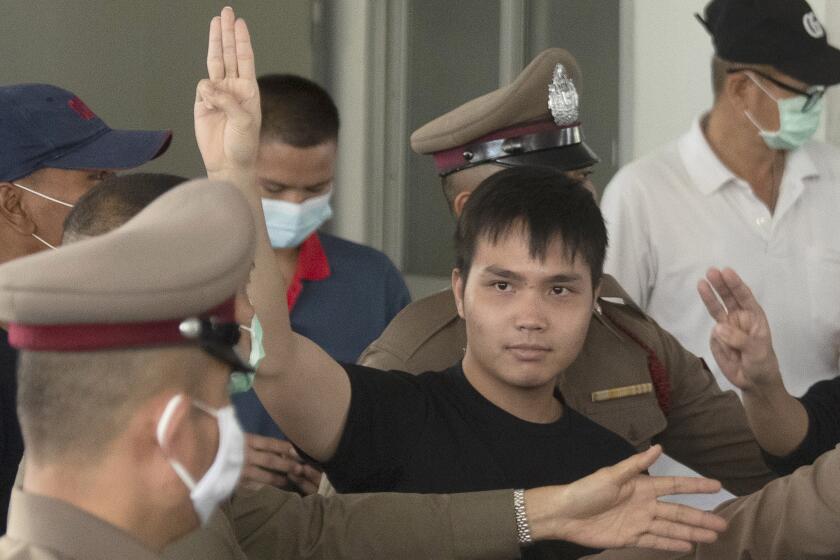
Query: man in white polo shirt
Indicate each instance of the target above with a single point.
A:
(747, 188)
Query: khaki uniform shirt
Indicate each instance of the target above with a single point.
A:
(609, 382)
(269, 524)
(42, 528)
(793, 518)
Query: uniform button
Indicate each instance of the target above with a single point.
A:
(762, 221)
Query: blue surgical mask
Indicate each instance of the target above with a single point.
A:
(289, 224)
(239, 381)
(795, 127)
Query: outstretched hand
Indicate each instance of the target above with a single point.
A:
(740, 341)
(618, 506)
(227, 103)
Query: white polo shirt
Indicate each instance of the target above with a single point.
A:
(675, 213)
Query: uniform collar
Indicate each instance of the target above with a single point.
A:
(709, 174)
(613, 293)
(312, 265)
(46, 522)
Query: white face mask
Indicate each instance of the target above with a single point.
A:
(51, 199)
(289, 224)
(221, 478)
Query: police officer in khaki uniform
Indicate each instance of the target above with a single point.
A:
(125, 356)
(631, 376)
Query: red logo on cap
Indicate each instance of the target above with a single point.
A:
(81, 109)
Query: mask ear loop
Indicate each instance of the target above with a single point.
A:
(749, 115)
(42, 195)
(163, 423)
(45, 242)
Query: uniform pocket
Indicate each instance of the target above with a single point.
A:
(638, 419)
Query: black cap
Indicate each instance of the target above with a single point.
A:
(784, 34)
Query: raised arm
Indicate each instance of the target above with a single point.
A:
(743, 348)
(304, 390)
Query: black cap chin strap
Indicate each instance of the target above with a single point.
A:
(217, 339)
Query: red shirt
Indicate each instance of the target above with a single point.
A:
(311, 265)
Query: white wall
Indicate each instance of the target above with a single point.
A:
(351, 88)
(665, 68)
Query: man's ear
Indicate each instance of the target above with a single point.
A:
(459, 202)
(168, 413)
(596, 291)
(458, 284)
(12, 212)
(735, 90)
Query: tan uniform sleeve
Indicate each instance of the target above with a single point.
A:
(275, 525)
(379, 356)
(795, 517)
(708, 428)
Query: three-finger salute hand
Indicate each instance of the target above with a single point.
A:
(227, 103)
(740, 341)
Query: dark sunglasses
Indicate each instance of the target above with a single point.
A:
(813, 93)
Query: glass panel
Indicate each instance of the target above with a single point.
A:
(590, 31)
(453, 57)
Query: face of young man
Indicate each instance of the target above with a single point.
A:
(526, 318)
(293, 174)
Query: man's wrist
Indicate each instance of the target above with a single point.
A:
(778, 420)
(770, 393)
(543, 512)
(237, 175)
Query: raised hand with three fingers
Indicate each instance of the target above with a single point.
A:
(227, 103)
(743, 348)
(740, 341)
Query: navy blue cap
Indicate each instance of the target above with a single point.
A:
(46, 126)
(784, 34)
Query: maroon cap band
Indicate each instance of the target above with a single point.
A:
(460, 157)
(101, 336)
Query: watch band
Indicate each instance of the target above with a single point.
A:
(523, 529)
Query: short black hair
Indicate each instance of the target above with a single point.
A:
(296, 111)
(547, 203)
(114, 201)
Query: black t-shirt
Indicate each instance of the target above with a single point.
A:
(11, 442)
(434, 433)
(822, 401)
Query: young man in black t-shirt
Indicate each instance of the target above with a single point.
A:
(530, 246)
